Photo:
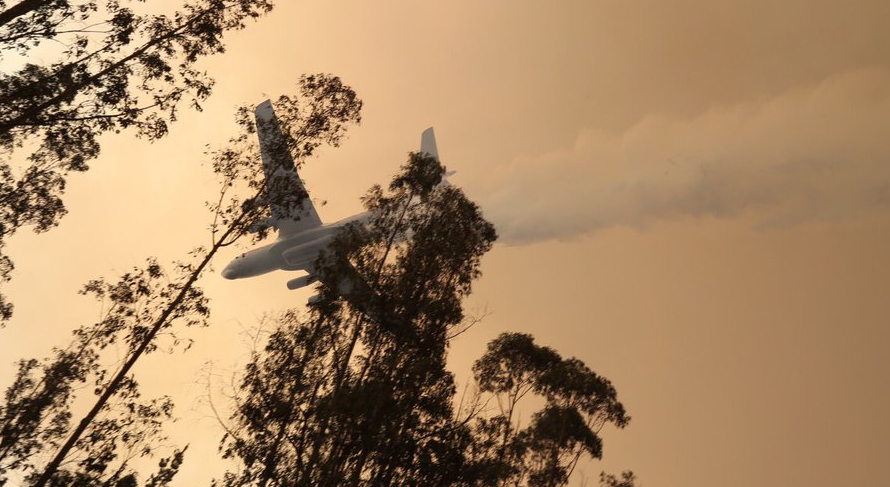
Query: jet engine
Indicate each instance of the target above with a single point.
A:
(301, 281)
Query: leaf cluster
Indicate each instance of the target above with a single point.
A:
(578, 403)
(37, 408)
(119, 67)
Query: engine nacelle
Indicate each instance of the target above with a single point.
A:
(301, 281)
(314, 298)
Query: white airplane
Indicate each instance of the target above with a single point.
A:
(301, 234)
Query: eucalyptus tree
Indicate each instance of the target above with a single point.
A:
(120, 66)
(578, 403)
(38, 442)
(356, 392)
(35, 415)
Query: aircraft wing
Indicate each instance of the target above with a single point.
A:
(350, 285)
(349, 280)
(292, 209)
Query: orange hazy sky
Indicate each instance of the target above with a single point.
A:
(693, 197)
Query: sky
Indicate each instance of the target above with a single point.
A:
(692, 197)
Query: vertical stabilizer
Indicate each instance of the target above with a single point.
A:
(428, 143)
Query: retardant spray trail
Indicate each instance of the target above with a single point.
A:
(815, 152)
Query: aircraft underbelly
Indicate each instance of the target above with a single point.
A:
(301, 261)
(301, 257)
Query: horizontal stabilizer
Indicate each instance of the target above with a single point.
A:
(444, 181)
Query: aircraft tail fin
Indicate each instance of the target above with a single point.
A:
(292, 209)
(428, 143)
(428, 146)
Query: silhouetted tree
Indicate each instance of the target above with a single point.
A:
(356, 391)
(36, 415)
(119, 68)
(627, 479)
(578, 403)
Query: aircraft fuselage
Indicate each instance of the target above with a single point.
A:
(301, 233)
(295, 252)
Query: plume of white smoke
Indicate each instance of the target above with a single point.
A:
(816, 152)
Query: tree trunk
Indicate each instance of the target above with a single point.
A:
(19, 9)
(122, 373)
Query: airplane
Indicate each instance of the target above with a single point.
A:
(301, 233)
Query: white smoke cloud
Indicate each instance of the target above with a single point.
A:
(817, 152)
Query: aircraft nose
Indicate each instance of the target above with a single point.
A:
(229, 273)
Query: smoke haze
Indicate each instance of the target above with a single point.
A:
(815, 152)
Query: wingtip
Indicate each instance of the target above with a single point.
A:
(264, 110)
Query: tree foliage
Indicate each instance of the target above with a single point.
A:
(578, 403)
(120, 67)
(35, 416)
(38, 442)
(626, 479)
(356, 391)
